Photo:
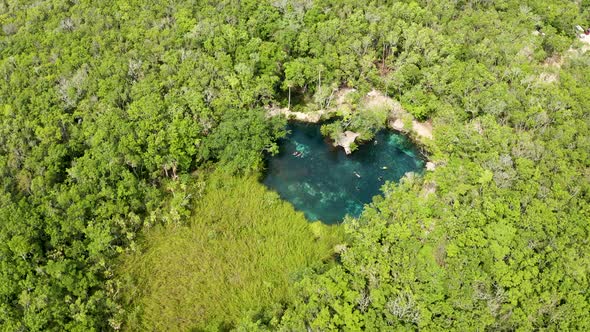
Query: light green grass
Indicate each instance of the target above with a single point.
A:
(235, 260)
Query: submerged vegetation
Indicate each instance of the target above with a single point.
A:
(112, 113)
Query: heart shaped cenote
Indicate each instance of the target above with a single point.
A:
(325, 183)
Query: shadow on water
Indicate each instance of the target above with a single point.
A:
(325, 183)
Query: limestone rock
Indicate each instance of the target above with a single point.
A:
(423, 129)
(430, 166)
(397, 124)
(345, 140)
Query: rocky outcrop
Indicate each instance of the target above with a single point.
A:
(373, 99)
(430, 166)
(397, 115)
(421, 129)
(345, 140)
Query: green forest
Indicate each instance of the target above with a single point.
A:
(133, 136)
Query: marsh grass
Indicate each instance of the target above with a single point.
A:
(234, 261)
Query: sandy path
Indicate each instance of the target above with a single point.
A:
(312, 117)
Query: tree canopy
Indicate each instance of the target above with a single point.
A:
(113, 112)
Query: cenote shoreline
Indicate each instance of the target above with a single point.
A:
(327, 184)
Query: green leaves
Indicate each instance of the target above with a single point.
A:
(294, 74)
(106, 111)
(241, 138)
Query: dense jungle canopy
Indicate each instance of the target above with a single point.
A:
(132, 134)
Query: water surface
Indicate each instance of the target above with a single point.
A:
(325, 183)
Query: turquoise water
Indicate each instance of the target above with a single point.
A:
(325, 183)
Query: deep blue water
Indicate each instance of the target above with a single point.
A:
(325, 183)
